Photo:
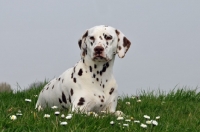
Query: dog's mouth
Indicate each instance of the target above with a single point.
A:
(99, 57)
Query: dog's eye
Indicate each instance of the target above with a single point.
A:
(108, 37)
(91, 38)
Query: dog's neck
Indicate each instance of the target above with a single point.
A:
(98, 67)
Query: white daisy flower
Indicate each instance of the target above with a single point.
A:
(54, 107)
(28, 100)
(112, 123)
(136, 121)
(155, 123)
(46, 115)
(143, 125)
(128, 120)
(35, 95)
(90, 113)
(63, 123)
(119, 113)
(157, 117)
(96, 115)
(133, 97)
(70, 114)
(120, 118)
(57, 113)
(125, 125)
(146, 117)
(68, 117)
(139, 100)
(103, 112)
(149, 122)
(62, 116)
(128, 103)
(19, 114)
(13, 117)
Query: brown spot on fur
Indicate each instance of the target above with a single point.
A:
(60, 100)
(69, 98)
(100, 73)
(97, 79)
(100, 37)
(80, 72)
(74, 69)
(107, 64)
(64, 98)
(94, 75)
(58, 79)
(47, 88)
(81, 101)
(95, 66)
(102, 100)
(117, 32)
(119, 47)
(72, 75)
(111, 91)
(74, 80)
(71, 91)
(83, 53)
(101, 105)
(52, 86)
(90, 68)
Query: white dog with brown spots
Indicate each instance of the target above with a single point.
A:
(90, 84)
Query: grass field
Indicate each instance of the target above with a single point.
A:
(179, 111)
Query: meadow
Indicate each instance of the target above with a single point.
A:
(176, 111)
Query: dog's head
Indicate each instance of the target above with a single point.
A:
(102, 43)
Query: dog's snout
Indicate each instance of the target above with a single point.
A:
(98, 49)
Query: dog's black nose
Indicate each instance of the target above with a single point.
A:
(98, 49)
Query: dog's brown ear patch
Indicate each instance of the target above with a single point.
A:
(79, 43)
(85, 35)
(126, 43)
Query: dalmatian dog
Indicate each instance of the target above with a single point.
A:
(90, 84)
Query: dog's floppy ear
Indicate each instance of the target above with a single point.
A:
(123, 44)
(82, 44)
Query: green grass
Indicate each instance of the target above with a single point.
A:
(179, 111)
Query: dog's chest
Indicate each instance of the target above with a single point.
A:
(93, 81)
